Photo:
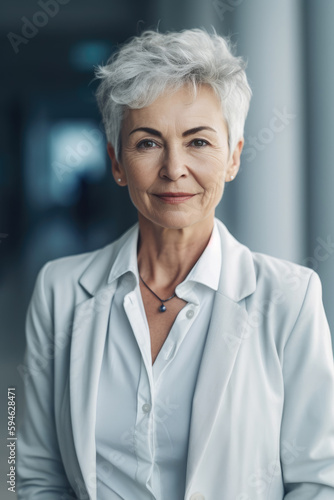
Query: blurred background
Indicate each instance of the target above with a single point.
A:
(57, 195)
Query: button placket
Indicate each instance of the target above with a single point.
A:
(170, 352)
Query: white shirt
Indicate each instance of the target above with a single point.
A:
(144, 411)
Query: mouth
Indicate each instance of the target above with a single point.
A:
(174, 198)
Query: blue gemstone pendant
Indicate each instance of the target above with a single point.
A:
(162, 308)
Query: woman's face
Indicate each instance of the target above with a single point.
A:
(175, 158)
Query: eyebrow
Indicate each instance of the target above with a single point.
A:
(191, 131)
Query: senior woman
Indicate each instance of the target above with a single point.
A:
(175, 363)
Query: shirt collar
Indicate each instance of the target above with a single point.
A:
(205, 271)
(126, 260)
(207, 268)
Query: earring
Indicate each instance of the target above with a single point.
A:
(119, 180)
(232, 177)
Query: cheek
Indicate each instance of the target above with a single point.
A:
(213, 179)
(140, 170)
(214, 185)
(215, 191)
(139, 182)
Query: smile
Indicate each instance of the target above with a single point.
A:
(174, 198)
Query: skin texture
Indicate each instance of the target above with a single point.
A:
(172, 157)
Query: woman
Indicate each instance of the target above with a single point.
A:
(175, 363)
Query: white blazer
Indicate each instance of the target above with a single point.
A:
(262, 425)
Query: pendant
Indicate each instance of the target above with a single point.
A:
(162, 308)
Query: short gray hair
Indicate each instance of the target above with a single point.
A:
(152, 63)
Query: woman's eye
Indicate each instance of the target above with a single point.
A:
(146, 144)
(199, 143)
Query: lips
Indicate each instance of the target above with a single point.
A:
(174, 198)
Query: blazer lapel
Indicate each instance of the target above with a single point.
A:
(87, 345)
(229, 323)
(220, 352)
(90, 325)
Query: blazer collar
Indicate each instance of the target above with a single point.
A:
(237, 277)
(100, 272)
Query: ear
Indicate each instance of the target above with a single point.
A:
(234, 162)
(116, 166)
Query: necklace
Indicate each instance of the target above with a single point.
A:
(162, 308)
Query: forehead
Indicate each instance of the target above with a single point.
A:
(178, 108)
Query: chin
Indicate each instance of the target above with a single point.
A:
(173, 220)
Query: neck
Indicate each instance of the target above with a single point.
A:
(165, 256)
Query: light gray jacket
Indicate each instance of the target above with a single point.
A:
(262, 425)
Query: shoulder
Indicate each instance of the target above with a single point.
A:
(275, 290)
(92, 268)
(261, 275)
(275, 272)
(283, 282)
(288, 280)
(69, 269)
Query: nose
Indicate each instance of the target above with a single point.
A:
(174, 164)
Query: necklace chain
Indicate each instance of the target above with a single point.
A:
(162, 308)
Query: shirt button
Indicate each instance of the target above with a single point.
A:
(146, 408)
(197, 496)
(190, 314)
